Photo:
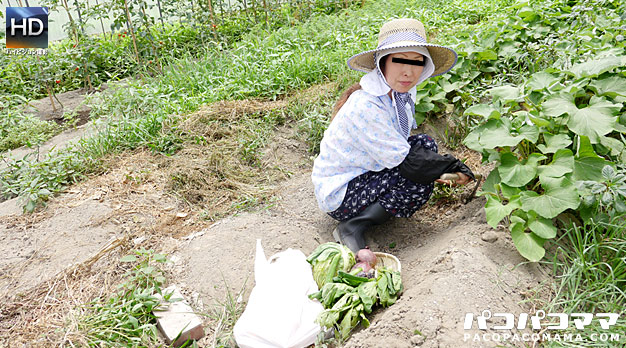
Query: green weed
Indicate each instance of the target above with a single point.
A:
(126, 319)
(19, 129)
(589, 266)
(225, 314)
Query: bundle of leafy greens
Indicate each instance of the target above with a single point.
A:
(329, 258)
(349, 297)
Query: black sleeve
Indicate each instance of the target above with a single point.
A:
(424, 166)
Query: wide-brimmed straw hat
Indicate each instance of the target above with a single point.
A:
(400, 33)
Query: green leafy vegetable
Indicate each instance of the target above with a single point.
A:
(346, 305)
(329, 258)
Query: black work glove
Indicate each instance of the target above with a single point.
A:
(423, 166)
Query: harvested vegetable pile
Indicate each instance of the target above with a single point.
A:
(345, 296)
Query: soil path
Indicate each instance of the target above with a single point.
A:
(453, 263)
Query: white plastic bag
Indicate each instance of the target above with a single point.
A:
(279, 313)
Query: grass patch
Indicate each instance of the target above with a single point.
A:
(18, 129)
(126, 319)
(590, 270)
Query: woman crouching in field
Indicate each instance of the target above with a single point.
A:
(369, 167)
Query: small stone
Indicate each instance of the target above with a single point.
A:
(417, 340)
(489, 236)
(139, 240)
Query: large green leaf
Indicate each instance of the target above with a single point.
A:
(559, 104)
(550, 183)
(530, 133)
(424, 106)
(595, 120)
(589, 168)
(584, 148)
(529, 245)
(490, 135)
(610, 86)
(509, 191)
(496, 211)
(551, 203)
(542, 80)
(542, 227)
(596, 67)
(516, 173)
(554, 142)
(490, 183)
(587, 164)
(615, 146)
(527, 14)
(487, 55)
(538, 121)
(562, 163)
(506, 93)
(484, 110)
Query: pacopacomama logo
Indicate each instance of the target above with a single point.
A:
(27, 27)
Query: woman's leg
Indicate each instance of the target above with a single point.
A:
(399, 196)
(405, 197)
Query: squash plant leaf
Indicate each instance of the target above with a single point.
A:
(595, 120)
(558, 105)
(484, 110)
(615, 146)
(587, 164)
(554, 142)
(486, 55)
(515, 173)
(541, 80)
(541, 226)
(530, 133)
(589, 168)
(529, 245)
(490, 135)
(562, 163)
(490, 184)
(552, 202)
(550, 182)
(610, 86)
(506, 93)
(596, 67)
(495, 211)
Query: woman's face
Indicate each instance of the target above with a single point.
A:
(401, 77)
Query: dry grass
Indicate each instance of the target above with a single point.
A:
(154, 198)
(215, 175)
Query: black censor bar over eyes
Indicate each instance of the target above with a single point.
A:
(408, 61)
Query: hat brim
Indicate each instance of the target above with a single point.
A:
(444, 58)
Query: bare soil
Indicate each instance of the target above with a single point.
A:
(453, 263)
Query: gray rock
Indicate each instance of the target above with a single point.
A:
(489, 236)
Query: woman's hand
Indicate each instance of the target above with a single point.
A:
(463, 179)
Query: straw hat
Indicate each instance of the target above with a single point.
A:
(400, 33)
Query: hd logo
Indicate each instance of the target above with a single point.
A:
(27, 27)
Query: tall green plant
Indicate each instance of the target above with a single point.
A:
(557, 128)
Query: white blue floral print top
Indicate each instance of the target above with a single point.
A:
(364, 136)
